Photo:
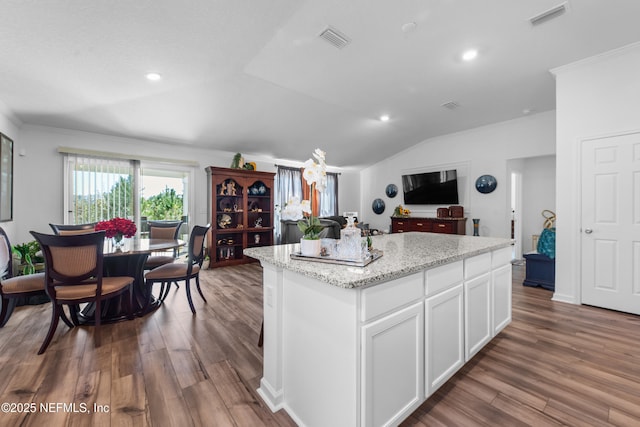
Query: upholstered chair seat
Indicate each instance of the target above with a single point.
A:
(110, 285)
(22, 284)
(155, 261)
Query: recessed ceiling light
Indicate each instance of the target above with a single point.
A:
(384, 118)
(154, 77)
(408, 27)
(470, 55)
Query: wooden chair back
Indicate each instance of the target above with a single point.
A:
(196, 244)
(6, 259)
(164, 229)
(74, 259)
(71, 229)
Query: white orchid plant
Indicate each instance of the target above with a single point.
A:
(315, 174)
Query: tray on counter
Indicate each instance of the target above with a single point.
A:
(374, 255)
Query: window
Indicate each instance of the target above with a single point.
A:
(99, 188)
(329, 197)
(288, 184)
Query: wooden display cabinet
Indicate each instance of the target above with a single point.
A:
(241, 213)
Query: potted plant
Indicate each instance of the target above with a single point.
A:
(315, 173)
(29, 260)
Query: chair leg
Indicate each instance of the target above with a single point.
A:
(8, 304)
(65, 319)
(130, 302)
(97, 317)
(166, 286)
(187, 286)
(73, 311)
(200, 290)
(55, 315)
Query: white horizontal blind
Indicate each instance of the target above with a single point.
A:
(98, 188)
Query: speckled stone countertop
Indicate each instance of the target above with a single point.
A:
(404, 253)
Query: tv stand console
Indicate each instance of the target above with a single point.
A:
(433, 225)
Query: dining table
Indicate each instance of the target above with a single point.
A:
(128, 260)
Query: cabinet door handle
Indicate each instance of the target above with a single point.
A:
(588, 231)
(441, 225)
(419, 224)
(400, 223)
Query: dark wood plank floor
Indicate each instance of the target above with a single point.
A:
(556, 364)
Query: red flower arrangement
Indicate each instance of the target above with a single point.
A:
(117, 227)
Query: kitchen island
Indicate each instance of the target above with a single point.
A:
(365, 346)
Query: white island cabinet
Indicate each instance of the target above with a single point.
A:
(365, 346)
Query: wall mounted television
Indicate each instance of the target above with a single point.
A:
(431, 188)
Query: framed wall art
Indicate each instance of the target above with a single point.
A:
(6, 178)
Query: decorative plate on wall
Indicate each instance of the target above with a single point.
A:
(391, 190)
(378, 206)
(486, 184)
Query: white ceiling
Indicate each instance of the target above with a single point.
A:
(252, 76)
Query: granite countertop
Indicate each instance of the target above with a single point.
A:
(404, 253)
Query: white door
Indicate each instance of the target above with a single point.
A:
(610, 227)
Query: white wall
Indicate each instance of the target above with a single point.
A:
(9, 127)
(38, 185)
(476, 152)
(594, 97)
(539, 193)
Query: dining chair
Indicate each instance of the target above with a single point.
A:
(67, 229)
(162, 230)
(176, 271)
(12, 288)
(74, 275)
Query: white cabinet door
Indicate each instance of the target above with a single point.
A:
(501, 281)
(477, 308)
(444, 337)
(392, 366)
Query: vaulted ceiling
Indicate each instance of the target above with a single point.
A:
(254, 76)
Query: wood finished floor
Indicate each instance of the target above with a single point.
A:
(556, 364)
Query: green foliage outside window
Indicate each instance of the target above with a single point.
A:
(118, 202)
(166, 205)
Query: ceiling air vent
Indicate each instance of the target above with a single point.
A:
(334, 37)
(451, 105)
(547, 15)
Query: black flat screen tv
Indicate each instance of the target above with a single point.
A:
(431, 188)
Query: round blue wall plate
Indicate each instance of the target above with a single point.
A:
(391, 190)
(378, 206)
(486, 184)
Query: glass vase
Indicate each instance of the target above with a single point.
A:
(118, 240)
(476, 226)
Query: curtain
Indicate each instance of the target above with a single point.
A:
(287, 183)
(329, 197)
(314, 198)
